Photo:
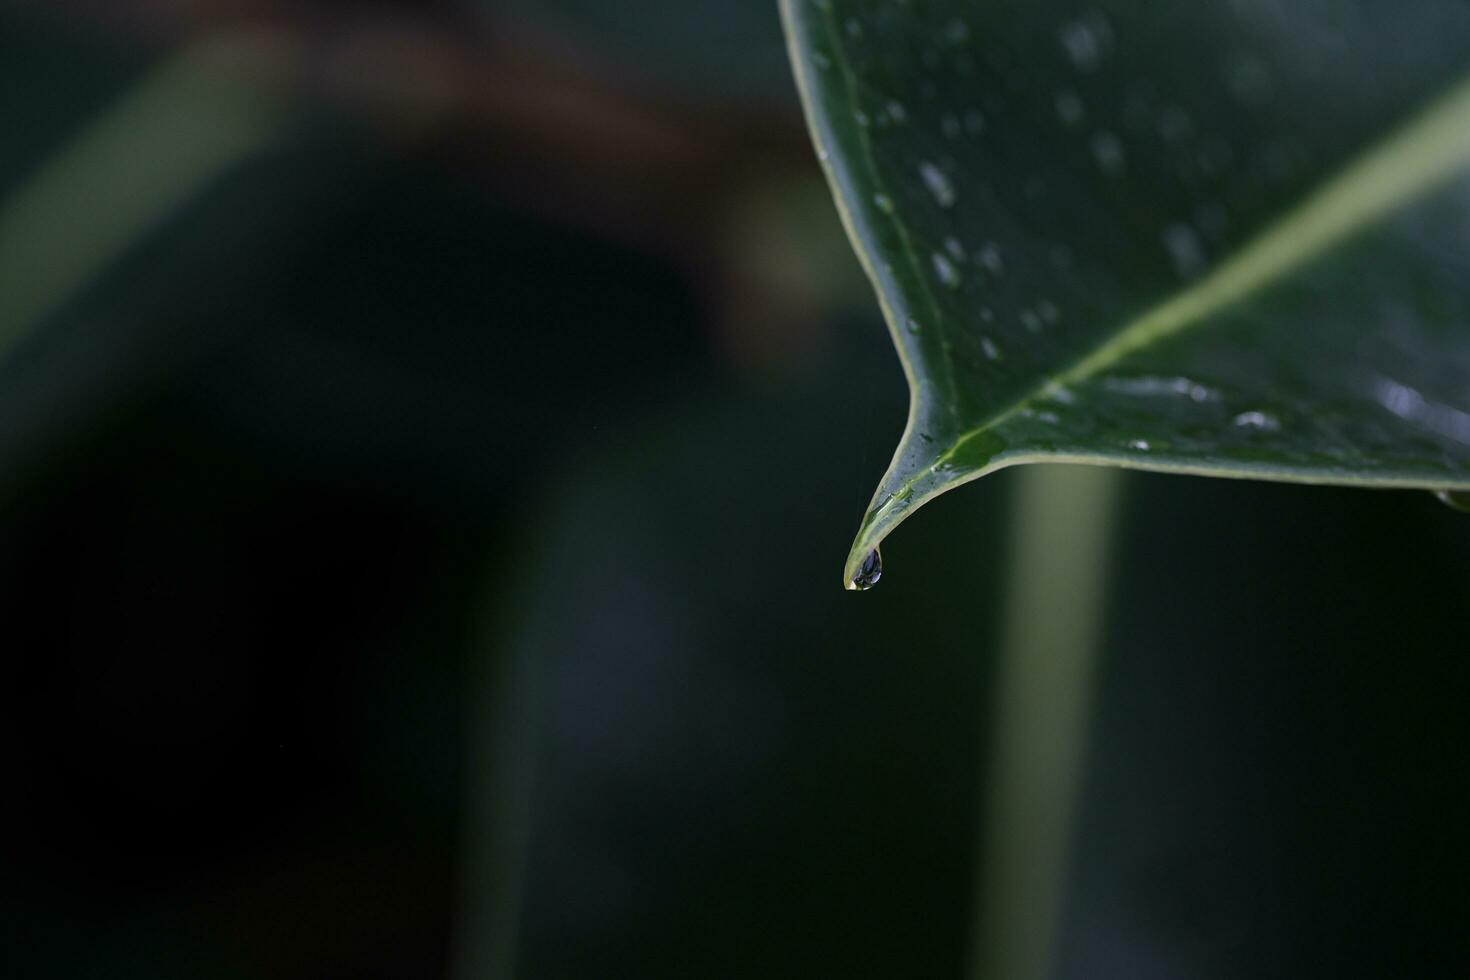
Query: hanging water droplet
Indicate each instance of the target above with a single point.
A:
(1140, 445)
(1455, 499)
(868, 575)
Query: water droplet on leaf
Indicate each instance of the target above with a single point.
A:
(938, 184)
(871, 571)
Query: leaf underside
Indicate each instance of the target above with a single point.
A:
(1228, 237)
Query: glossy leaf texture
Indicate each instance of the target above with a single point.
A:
(1224, 237)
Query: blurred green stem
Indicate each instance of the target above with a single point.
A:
(1063, 523)
(129, 169)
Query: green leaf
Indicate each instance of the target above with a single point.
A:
(1221, 238)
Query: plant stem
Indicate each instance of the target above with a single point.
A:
(1063, 527)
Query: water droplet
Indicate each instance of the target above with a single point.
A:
(1455, 499)
(883, 203)
(987, 346)
(1070, 108)
(1258, 420)
(945, 270)
(913, 325)
(990, 259)
(1151, 386)
(1250, 81)
(1107, 149)
(955, 249)
(1175, 126)
(1184, 248)
(861, 118)
(896, 111)
(938, 184)
(1086, 40)
(868, 575)
(1140, 445)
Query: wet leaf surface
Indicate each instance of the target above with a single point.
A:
(1216, 238)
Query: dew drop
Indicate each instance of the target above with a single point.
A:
(1184, 248)
(868, 575)
(945, 270)
(1107, 149)
(938, 184)
(1250, 81)
(987, 346)
(1175, 126)
(989, 258)
(883, 203)
(1140, 445)
(1260, 421)
(1454, 499)
(1070, 108)
(1086, 40)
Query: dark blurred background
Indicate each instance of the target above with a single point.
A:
(429, 437)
